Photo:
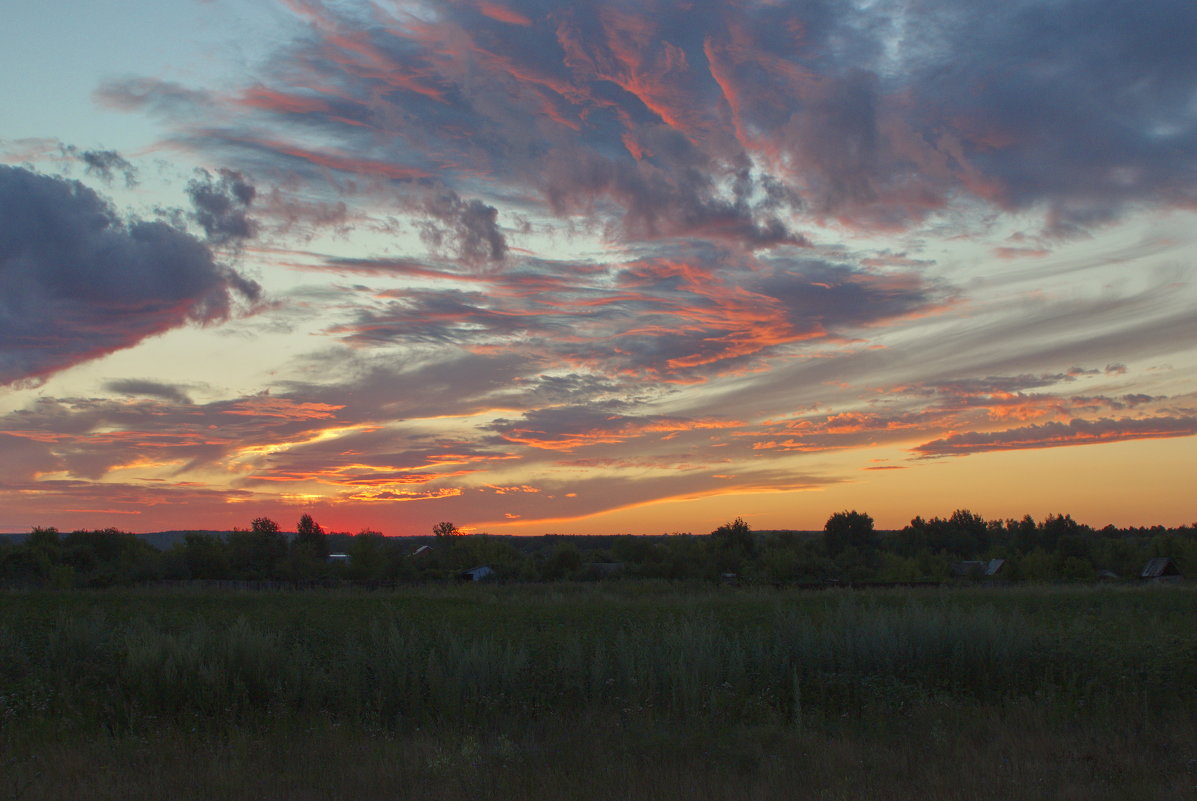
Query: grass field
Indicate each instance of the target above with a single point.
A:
(622, 690)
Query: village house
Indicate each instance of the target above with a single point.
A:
(1161, 570)
(481, 573)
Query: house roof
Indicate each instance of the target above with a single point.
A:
(1159, 566)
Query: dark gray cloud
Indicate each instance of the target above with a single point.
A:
(566, 429)
(1001, 384)
(150, 389)
(466, 229)
(24, 459)
(77, 281)
(585, 494)
(841, 296)
(104, 164)
(1053, 435)
(575, 389)
(414, 383)
(164, 98)
(1092, 113)
(221, 205)
(681, 198)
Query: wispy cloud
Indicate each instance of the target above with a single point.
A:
(1054, 435)
(152, 389)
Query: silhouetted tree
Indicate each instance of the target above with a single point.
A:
(369, 556)
(911, 540)
(263, 525)
(257, 553)
(564, 562)
(848, 530)
(309, 532)
(445, 533)
(106, 557)
(1056, 526)
(733, 546)
(1024, 534)
(735, 536)
(685, 558)
(205, 555)
(971, 532)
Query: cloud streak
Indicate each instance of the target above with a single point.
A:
(704, 312)
(1054, 435)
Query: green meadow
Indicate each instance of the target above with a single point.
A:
(600, 691)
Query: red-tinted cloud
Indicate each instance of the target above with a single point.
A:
(284, 408)
(567, 429)
(685, 115)
(503, 13)
(711, 312)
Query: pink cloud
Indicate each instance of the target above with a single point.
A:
(502, 13)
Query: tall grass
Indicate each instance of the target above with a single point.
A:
(850, 655)
(644, 691)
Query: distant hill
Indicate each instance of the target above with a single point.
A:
(165, 540)
(162, 540)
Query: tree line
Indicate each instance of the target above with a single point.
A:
(849, 550)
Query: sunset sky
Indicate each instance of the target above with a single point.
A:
(539, 266)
